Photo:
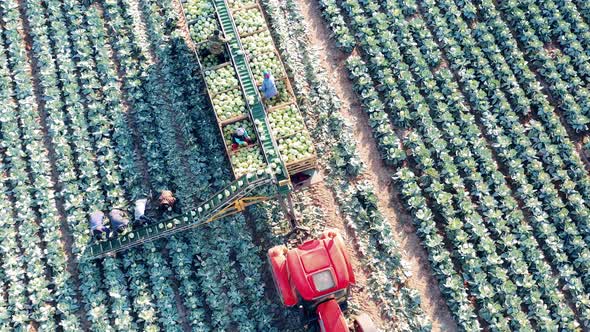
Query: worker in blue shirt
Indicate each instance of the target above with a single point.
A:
(268, 87)
(97, 227)
(240, 138)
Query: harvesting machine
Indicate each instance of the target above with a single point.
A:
(317, 274)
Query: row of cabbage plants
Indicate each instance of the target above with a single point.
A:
(18, 308)
(12, 270)
(109, 181)
(434, 140)
(512, 128)
(371, 233)
(556, 71)
(53, 295)
(342, 36)
(219, 263)
(418, 29)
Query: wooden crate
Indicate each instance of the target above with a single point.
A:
(302, 165)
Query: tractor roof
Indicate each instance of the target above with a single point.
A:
(320, 267)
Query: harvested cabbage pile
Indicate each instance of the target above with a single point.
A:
(235, 4)
(289, 131)
(296, 147)
(229, 104)
(209, 61)
(229, 129)
(221, 79)
(249, 21)
(262, 56)
(247, 160)
(286, 121)
(200, 16)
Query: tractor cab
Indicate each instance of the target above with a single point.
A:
(317, 276)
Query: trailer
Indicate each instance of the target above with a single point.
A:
(274, 179)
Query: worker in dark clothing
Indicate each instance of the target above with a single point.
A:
(239, 138)
(119, 220)
(216, 43)
(167, 202)
(97, 227)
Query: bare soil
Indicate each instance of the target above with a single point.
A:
(324, 198)
(378, 174)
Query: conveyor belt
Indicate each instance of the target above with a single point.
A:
(253, 100)
(231, 199)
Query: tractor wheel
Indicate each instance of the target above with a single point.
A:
(364, 323)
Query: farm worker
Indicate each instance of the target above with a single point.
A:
(268, 88)
(119, 220)
(216, 43)
(168, 202)
(139, 212)
(239, 138)
(98, 229)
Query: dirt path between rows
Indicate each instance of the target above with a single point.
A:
(323, 198)
(377, 173)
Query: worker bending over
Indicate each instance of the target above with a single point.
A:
(268, 87)
(216, 43)
(139, 213)
(239, 138)
(168, 202)
(119, 220)
(97, 227)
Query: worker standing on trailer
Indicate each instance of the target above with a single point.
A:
(216, 43)
(168, 202)
(97, 227)
(239, 138)
(268, 87)
(119, 220)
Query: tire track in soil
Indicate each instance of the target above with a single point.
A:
(377, 173)
(324, 198)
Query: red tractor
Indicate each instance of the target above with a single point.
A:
(317, 275)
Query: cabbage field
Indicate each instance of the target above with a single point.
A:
(452, 137)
